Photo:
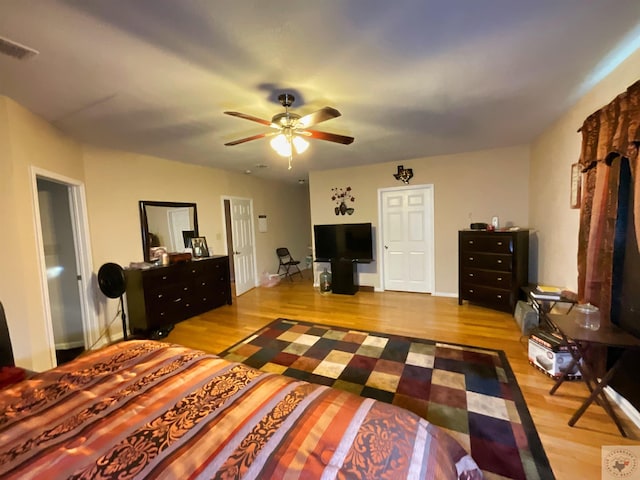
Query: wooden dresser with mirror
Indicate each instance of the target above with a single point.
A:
(161, 296)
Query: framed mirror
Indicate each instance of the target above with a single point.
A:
(167, 224)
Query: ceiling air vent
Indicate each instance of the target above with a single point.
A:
(16, 50)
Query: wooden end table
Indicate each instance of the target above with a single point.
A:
(543, 306)
(582, 339)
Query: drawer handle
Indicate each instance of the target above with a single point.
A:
(499, 296)
(470, 242)
(177, 300)
(185, 288)
(193, 271)
(160, 295)
(470, 291)
(188, 305)
(499, 244)
(471, 258)
(471, 274)
(499, 278)
(164, 277)
(499, 261)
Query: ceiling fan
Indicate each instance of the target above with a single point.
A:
(291, 129)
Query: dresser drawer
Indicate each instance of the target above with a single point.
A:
(166, 294)
(489, 261)
(497, 298)
(487, 278)
(492, 243)
(161, 314)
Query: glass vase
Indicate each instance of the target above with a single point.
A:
(325, 282)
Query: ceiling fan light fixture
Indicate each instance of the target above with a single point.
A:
(300, 145)
(281, 145)
(292, 129)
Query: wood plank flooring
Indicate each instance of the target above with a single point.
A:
(574, 452)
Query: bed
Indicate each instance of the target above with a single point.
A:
(147, 409)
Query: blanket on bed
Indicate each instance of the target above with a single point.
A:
(143, 409)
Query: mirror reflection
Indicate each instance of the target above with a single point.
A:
(170, 225)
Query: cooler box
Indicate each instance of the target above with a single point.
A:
(526, 317)
(548, 354)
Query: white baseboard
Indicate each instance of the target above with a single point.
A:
(445, 294)
(69, 345)
(628, 409)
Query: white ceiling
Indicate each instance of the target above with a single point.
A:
(412, 78)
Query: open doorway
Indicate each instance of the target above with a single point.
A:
(65, 264)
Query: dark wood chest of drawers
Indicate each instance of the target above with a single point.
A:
(492, 267)
(160, 297)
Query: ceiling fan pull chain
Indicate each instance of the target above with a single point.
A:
(290, 149)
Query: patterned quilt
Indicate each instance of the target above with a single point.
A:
(144, 409)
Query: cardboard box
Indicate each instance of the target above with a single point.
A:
(550, 356)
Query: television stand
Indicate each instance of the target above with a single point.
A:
(344, 277)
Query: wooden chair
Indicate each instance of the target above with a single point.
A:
(287, 263)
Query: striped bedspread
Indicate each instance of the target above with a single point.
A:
(144, 409)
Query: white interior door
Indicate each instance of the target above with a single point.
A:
(407, 243)
(243, 244)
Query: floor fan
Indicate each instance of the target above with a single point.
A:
(112, 283)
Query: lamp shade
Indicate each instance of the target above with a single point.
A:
(300, 144)
(280, 143)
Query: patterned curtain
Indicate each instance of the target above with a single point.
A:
(608, 135)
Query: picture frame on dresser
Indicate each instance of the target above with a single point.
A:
(199, 248)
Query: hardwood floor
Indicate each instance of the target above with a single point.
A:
(574, 452)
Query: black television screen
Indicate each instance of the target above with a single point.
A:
(351, 241)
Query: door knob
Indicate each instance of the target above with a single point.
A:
(386, 247)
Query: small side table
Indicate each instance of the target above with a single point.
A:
(543, 306)
(582, 339)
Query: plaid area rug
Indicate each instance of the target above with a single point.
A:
(470, 391)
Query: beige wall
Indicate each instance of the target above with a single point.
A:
(117, 181)
(467, 187)
(31, 142)
(551, 157)
(114, 183)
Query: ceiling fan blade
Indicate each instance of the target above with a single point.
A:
(250, 117)
(331, 137)
(322, 115)
(248, 139)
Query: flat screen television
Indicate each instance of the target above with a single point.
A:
(349, 241)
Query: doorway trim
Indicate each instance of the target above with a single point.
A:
(227, 233)
(80, 226)
(430, 218)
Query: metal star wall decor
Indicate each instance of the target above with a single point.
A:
(404, 174)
